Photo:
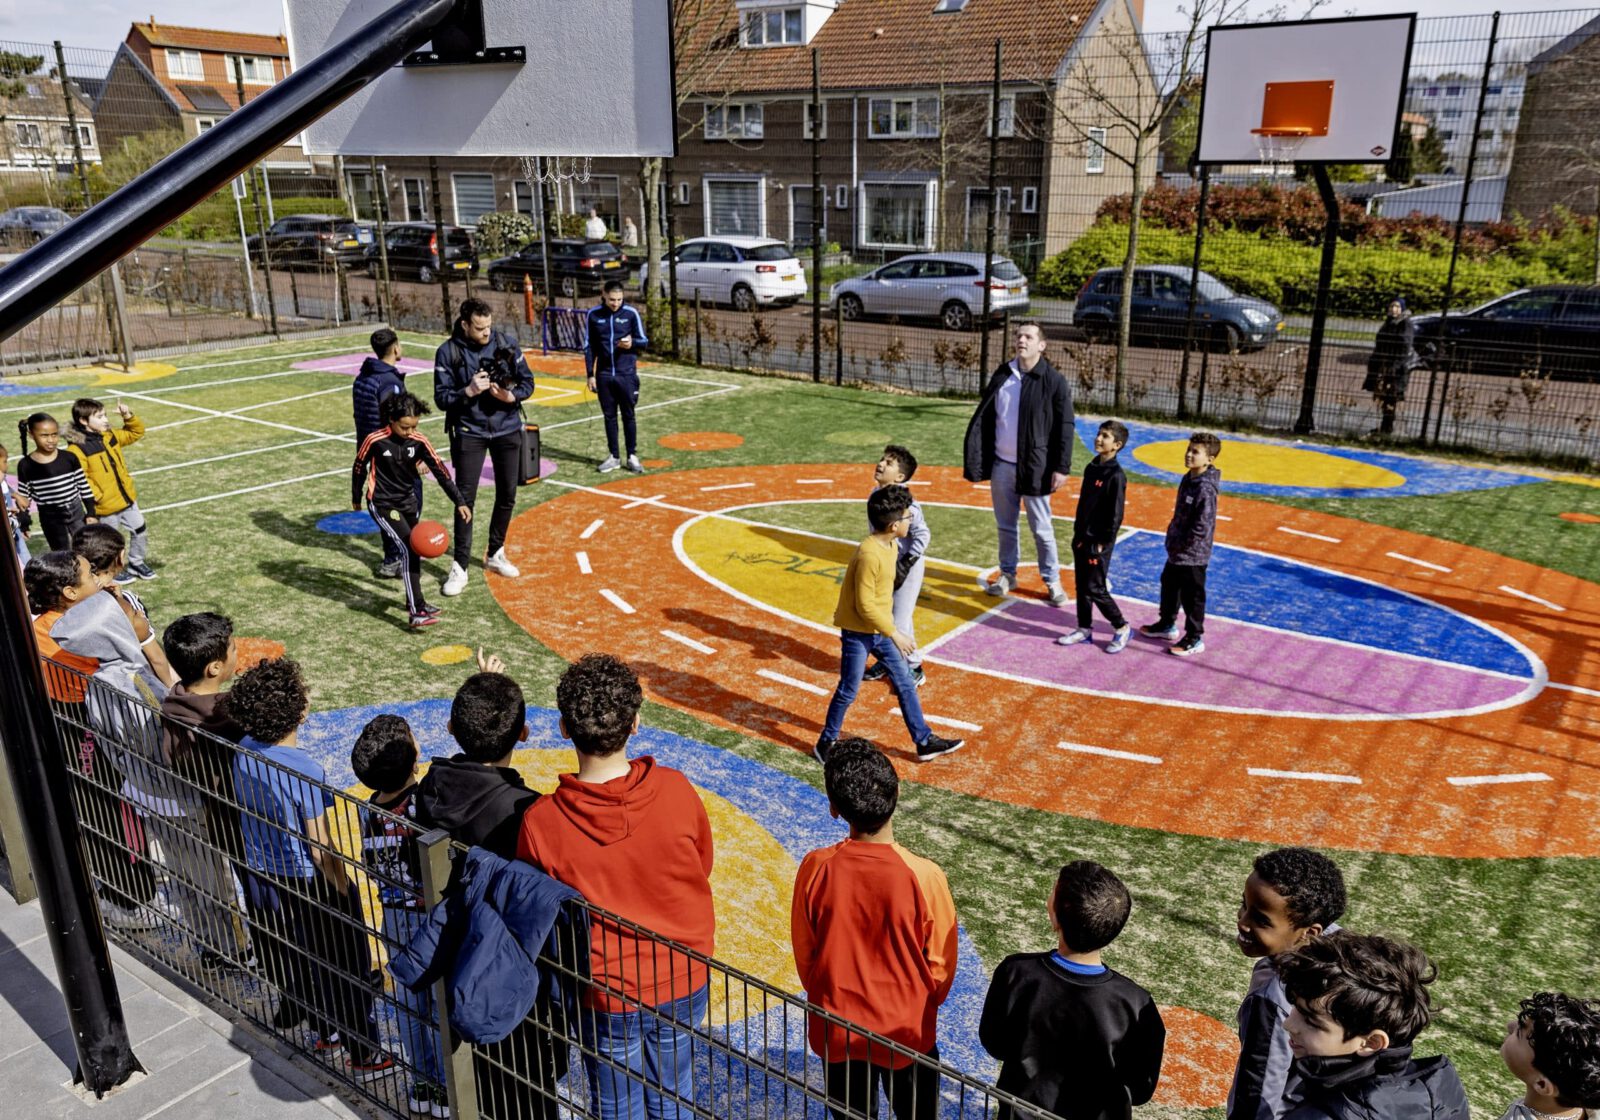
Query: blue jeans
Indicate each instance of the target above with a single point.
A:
(853, 650)
(419, 1026)
(1005, 499)
(639, 1053)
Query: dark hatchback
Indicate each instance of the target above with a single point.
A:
(1548, 331)
(1222, 317)
(576, 265)
(314, 240)
(413, 249)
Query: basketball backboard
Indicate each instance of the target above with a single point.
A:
(597, 81)
(1336, 85)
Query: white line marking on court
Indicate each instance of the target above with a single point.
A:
(233, 416)
(179, 423)
(919, 482)
(289, 400)
(231, 454)
(583, 563)
(685, 640)
(650, 501)
(1223, 517)
(1303, 776)
(249, 490)
(980, 486)
(275, 357)
(1498, 779)
(1532, 598)
(1404, 559)
(616, 600)
(594, 527)
(813, 482)
(793, 682)
(1574, 688)
(944, 721)
(1108, 752)
(728, 486)
(1313, 536)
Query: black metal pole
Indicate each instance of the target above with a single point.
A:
(1461, 225)
(66, 896)
(988, 232)
(438, 235)
(50, 271)
(1194, 285)
(546, 215)
(376, 193)
(816, 214)
(1307, 419)
(669, 205)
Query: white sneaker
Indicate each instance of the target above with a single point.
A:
(456, 582)
(1073, 637)
(1058, 596)
(634, 465)
(501, 566)
(122, 917)
(609, 464)
(1002, 585)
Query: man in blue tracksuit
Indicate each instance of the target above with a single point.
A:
(381, 377)
(615, 336)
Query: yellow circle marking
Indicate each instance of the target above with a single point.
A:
(555, 391)
(1270, 465)
(105, 376)
(446, 655)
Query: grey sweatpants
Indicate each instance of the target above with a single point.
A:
(131, 520)
(905, 605)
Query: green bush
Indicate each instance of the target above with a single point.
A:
(501, 233)
(1284, 272)
(216, 220)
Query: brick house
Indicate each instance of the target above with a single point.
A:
(35, 130)
(1556, 161)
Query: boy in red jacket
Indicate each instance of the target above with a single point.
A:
(633, 837)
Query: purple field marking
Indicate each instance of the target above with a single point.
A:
(1242, 667)
(547, 467)
(350, 365)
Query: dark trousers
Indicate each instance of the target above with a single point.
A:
(316, 952)
(467, 453)
(111, 831)
(396, 523)
(1089, 575)
(1184, 585)
(619, 393)
(59, 523)
(518, 1077)
(913, 1091)
(390, 554)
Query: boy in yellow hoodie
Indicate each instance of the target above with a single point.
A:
(98, 450)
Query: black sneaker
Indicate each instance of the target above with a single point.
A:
(820, 751)
(1187, 648)
(875, 672)
(918, 677)
(389, 569)
(933, 746)
(143, 571)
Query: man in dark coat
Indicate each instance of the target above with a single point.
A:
(1389, 368)
(1020, 441)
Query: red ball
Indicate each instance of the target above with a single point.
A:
(429, 539)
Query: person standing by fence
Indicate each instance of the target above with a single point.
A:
(1394, 356)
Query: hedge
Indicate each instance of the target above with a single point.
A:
(216, 220)
(1284, 272)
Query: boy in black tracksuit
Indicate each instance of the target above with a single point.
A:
(380, 378)
(1094, 535)
(386, 472)
(615, 335)
(1189, 537)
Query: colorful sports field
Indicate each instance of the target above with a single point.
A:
(1403, 665)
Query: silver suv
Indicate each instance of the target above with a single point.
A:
(943, 286)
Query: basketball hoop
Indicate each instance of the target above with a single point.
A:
(1278, 148)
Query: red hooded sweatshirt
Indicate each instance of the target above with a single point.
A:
(639, 846)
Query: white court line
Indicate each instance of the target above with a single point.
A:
(179, 423)
(249, 490)
(231, 454)
(1404, 559)
(654, 498)
(616, 600)
(1498, 779)
(583, 563)
(1108, 752)
(1532, 598)
(919, 482)
(1574, 688)
(1223, 517)
(685, 640)
(813, 482)
(1303, 776)
(594, 527)
(274, 357)
(944, 721)
(289, 400)
(1313, 536)
(247, 419)
(728, 486)
(236, 414)
(804, 686)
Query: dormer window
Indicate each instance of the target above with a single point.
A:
(772, 27)
(944, 6)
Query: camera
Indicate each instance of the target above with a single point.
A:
(502, 368)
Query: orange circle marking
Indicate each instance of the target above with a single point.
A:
(1581, 518)
(701, 441)
(656, 464)
(253, 651)
(1199, 782)
(1197, 1065)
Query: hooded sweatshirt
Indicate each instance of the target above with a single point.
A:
(1194, 518)
(480, 806)
(640, 847)
(188, 722)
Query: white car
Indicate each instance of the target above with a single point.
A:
(747, 272)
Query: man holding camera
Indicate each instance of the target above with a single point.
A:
(613, 340)
(480, 380)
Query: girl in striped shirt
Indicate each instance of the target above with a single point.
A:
(52, 482)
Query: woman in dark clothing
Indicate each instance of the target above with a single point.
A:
(1389, 368)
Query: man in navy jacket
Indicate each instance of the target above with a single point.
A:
(481, 418)
(615, 336)
(380, 378)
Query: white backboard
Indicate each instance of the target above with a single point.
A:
(1365, 57)
(597, 82)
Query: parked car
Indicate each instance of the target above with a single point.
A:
(22, 226)
(576, 265)
(313, 240)
(946, 286)
(1552, 331)
(746, 272)
(1224, 318)
(413, 249)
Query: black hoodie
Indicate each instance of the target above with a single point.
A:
(1387, 1085)
(476, 804)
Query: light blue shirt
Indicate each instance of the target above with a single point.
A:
(917, 538)
(1007, 404)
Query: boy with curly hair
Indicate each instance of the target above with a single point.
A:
(1553, 1048)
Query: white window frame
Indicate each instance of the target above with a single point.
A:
(757, 20)
(422, 197)
(1094, 154)
(29, 135)
(182, 59)
(823, 213)
(841, 197)
(930, 202)
(685, 193)
(761, 203)
(204, 124)
(915, 104)
(722, 115)
(455, 194)
(1030, 200)
(1008, 115)
(249, 63)
(805, 120)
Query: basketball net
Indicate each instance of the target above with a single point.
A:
(555, 170)
(1278, 149)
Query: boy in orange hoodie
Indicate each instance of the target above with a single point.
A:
(633, 837)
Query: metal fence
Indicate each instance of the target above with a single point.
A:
(201, 864)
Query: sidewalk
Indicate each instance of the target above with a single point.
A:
(197, 1062)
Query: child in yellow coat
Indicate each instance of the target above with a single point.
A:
(98, 449)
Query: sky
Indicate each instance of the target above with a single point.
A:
(103, 24)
